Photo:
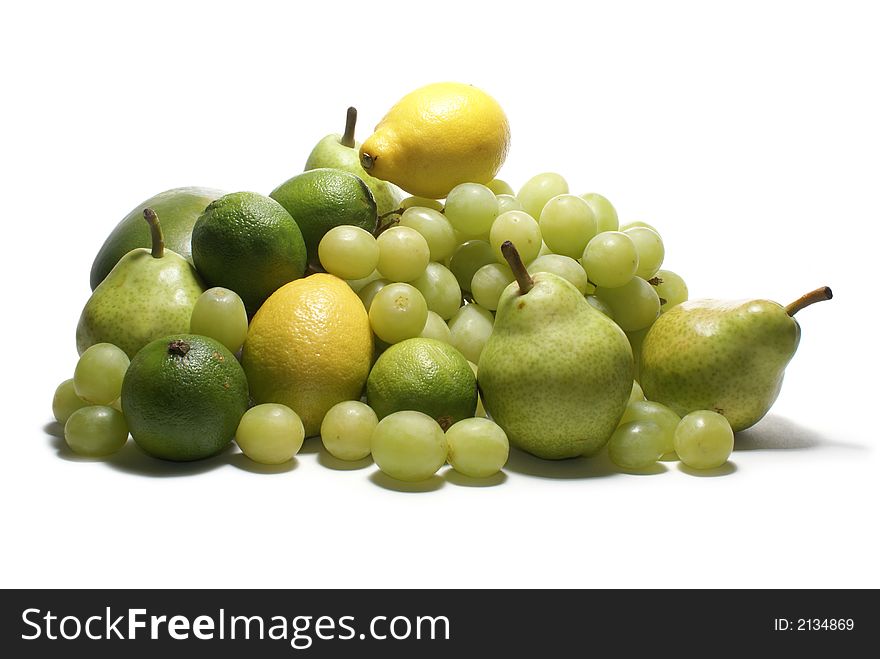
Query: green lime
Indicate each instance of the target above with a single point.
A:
(424, 375)
(321, 199)
(248, 243)
(183, 397)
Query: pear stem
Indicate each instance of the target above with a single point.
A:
(819, 295)
(158, 240)
(523, 278)
(351, 118)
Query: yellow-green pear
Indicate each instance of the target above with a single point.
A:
(149, 293)
(722, 355)
(555, 374)
(343, 152)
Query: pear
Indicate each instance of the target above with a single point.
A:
(726, 356)
(555, 374)
(149, 293)
(342, 152)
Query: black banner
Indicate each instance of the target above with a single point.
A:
(423, 623)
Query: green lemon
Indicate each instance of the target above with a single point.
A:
(248, 243)
(424, 375)
(183, 397)
(321, 199)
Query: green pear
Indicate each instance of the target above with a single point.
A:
(342, 152)
(149, 293)
(555, 374)
(726, 356)
(179, 209)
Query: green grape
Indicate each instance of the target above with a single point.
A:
(368, 292)
(508, 202)
(540, 189)
(567, 225)
(408, 446)
(471, 208)
(636, 394)
(436, 328)
(347, 430)
(220, 314)
(519, 228)
(481, 411)
(435, 229)
(703, 440)
(348, 252)
(562, 266)
(95, 431)
(398, 312)
(606, 216)
(270, 433)
(670, 288)
(357, 285)
(633, 225)
(646, 410)
(97, 378)
(499, 187)
(634, 305)
(403, 254)
(544, 251)
(469, 257)
(636, 445)
(422, 202)
(649, 247)
(477, 447)
(440, 289)
(471, 328)
(489, 282)
(610, 259)
(599, 305)
(65, 401)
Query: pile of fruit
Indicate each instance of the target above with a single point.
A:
(415, 331)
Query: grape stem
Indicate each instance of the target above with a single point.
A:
(819, 295)
(382, 226)
(351, 118)
(158, 240)
(523, 278)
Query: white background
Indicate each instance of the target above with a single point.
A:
(747, 133)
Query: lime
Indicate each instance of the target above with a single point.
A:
(321, 199)
(425, 375)
(248, 243)
(183, 397)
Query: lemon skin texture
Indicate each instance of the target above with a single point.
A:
(309, 347)
(436, 137)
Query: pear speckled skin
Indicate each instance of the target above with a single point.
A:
(555, 374)
(143, 298)
(330, 152)
(725, 356)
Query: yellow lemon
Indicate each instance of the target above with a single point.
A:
(436, 137)
(309, 347)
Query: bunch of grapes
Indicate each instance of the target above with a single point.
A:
(436, 270)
